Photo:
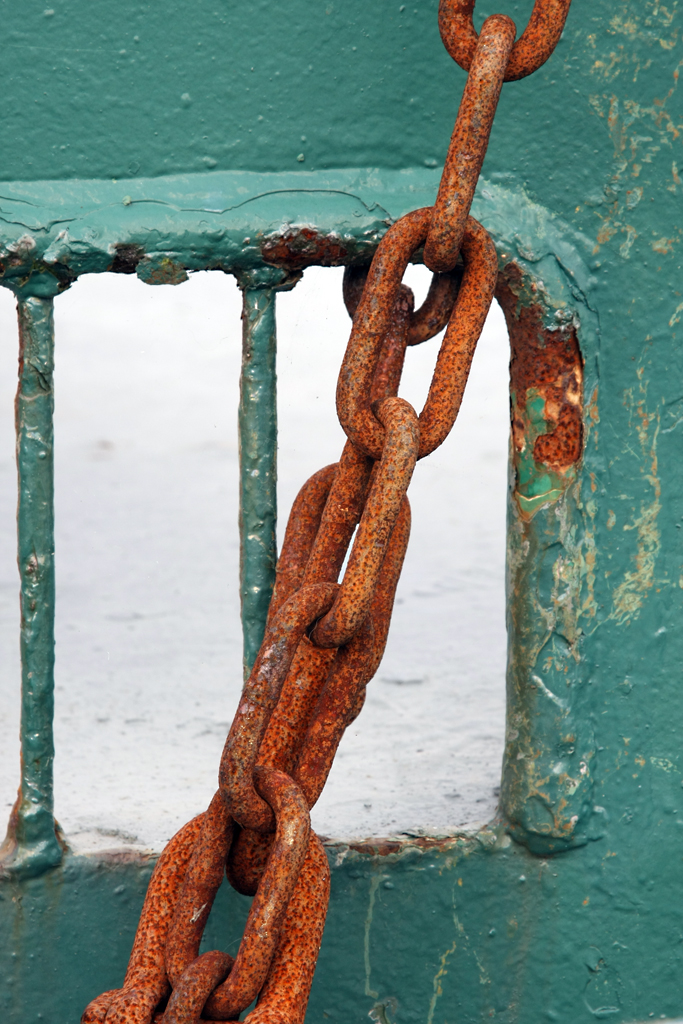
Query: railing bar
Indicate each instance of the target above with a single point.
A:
(37, 845)
(258, 465)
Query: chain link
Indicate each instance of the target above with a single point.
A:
(324, 640)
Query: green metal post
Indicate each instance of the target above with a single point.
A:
(33, 845)
(258, 465)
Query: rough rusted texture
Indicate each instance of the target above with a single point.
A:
(146, 983)
(545, 363)
(195, 985)
(389, 367)
(531, 50)
(202, 880)
(468, 143)
(374, 530)
(324, 641)
(302, 529)
(457, 348)
(247, 861)
(336, 708)
(371, 323)
(383, 601)
(259, 697)
(96, 1011)
(304, 247)
(126, 259)
(435, 311)
(340, 517)
(270, 903)
(284, 996)
(425, 322)
(371, 326)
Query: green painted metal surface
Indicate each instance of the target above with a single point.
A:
(258, 465)
(570, 907)
(32, 843)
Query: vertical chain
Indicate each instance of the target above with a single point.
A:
(324, 639)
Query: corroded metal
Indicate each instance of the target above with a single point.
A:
(469, 143)
(324, 639)
(530, 51)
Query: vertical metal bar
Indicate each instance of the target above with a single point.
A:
(32, 828)
(258, 465)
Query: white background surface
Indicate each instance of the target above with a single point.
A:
(148, 635)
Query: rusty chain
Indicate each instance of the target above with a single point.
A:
(324, 640)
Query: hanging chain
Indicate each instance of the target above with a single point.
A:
(324, 640)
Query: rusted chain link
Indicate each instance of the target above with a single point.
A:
(324, 639)
(529, 53)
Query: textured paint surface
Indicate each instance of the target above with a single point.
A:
(32, 844)
(257, 420)
(578, 916)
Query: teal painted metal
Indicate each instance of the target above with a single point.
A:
(32, 844)
(578, 917)
(258, 466)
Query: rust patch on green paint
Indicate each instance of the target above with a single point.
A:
(159, 269)
(297, 248)
(547, 780)
(546, 389)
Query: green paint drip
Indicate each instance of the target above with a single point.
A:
(258, 466)
(34, 846)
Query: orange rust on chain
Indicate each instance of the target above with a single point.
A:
(284, 996)
(390, 363)
(269, 906)
(467, 320)
(382, 506)
(529, 53)
(371, 324)
(302, 529)
(260, 695)
(548, 362)
(202, 880)
(303, 692)
(468, 143)
(297, 248)
(146, 984)
(435, 311)
(340, 517)
(334, 711)
(195, 985)
(425, 322)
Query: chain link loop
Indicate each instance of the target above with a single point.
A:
(324, 640)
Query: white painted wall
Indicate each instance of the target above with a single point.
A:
(148, 634)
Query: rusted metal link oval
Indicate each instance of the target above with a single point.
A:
(434, 313)
(348, 676)
(382, 507)
(460, 340)
(530, 52)
(389, 368)
(372, 322)
(194, 987)
(260, 695)
(284, 996)
(145, 983)
(468, 144)
(340, 517)
(272, 899)
(385, 591)
(302, 529)
(425, 322)
(202, 881)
